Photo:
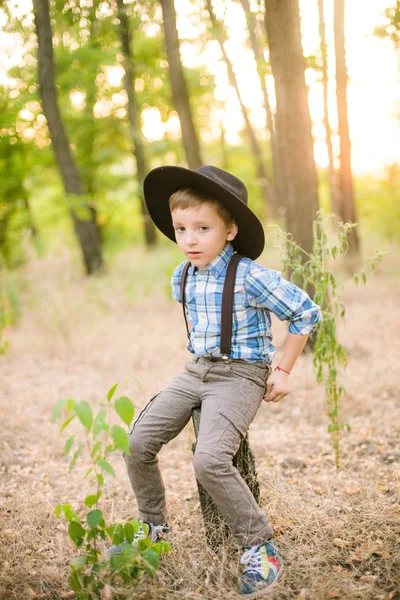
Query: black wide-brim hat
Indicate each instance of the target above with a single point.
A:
(162, 182)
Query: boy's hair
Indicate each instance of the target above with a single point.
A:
(190, 198)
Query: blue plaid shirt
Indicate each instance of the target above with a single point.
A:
(258, 292)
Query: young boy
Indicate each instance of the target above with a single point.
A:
(206, 213)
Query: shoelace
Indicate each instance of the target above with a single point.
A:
(252, 559)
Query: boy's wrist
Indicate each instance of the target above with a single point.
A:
(278, 368)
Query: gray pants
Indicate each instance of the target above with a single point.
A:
(229, 395)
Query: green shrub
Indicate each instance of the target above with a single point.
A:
(92, 569)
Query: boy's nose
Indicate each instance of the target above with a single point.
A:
(191, 239)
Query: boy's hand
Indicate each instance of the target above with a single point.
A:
(278, 386)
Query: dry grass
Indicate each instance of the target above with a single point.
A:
(338, 532)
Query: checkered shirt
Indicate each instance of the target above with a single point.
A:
(258, 293)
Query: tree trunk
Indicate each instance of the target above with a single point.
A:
(178, 85)
(347, 210)
(293, 122)
(328, 133)
(256, 148)
(261, 64)
(86, 230)
(134, 119)
(216, 529)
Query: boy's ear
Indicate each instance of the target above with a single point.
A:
(232, 232)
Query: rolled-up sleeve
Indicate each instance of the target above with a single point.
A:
(267, 289)
(176, 283)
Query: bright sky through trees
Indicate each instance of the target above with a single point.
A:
(373, 90)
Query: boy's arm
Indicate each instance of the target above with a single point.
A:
(278, 385)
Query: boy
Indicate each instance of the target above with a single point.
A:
(206, 213)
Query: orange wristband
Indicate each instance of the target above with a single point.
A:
(278, 368)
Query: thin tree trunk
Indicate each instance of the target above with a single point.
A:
(87, 152)
(86, 230)
(134, 119)
(328, 133)
(216, 529)
(293, 122)
(256, 148)
(261, 64)
(178, 84)
(347, 210)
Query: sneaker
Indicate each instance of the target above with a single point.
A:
(263, 568)
(146, 530)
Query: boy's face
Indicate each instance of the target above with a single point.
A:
(201, 233)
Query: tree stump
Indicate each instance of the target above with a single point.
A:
(217, 530)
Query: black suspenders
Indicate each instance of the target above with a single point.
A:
(227, 303)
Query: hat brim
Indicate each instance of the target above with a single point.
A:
(162, 182)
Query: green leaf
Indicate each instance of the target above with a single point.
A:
(59, 405)
(129, 532)
(100, 479)
(125, 409)
(78, 562)
(75, 581)
(152, 559)
(135, 380)
(76, 533)
(68, 444)
(116, 533)
(66, 423)
(111, 391)
(84, 413)
(96, 448)
(120, 439)
(86, 475)
(105, 466)
(57, 510)
(69, 404)
(75, 457)
(92, 499)
(99, 423)
(69, 513)
(94, 518)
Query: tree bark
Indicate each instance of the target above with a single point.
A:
(347, 209)
(86, 230)
(134, 119)
(217, 530)
(261, 70)
(328, 133)
(293, 122)
(256, 148)
(180, 95)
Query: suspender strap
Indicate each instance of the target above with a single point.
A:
(227, 303)
(183, 284)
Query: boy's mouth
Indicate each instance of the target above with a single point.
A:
(193, 254)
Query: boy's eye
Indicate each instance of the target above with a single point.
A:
(179, 228)
(204, 228)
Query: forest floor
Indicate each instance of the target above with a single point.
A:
(338, 531)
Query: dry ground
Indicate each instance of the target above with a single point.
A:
(338, 532)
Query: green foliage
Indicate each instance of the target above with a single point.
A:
(315, 271)
(379, 204)
(9, 303)
(92, 570)
(391, 28)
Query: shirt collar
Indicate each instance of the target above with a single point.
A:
(220, 262)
